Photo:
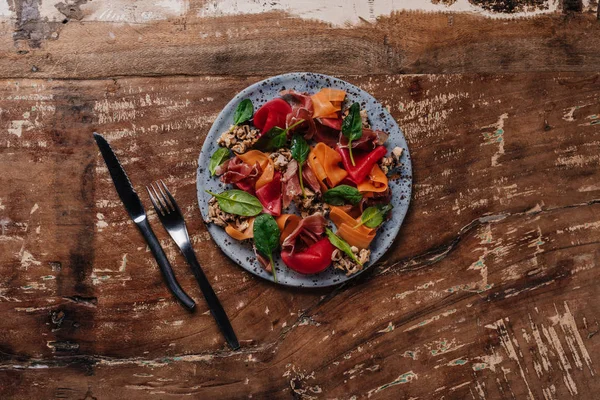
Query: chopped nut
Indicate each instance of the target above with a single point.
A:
(365, 119)
(397, 152)
(343, 262)
(239, 138)
(242, 224)
(281, 158)
(386, 164)
(310, 204)
(364, 255)
(280, 162)
(391, 162)
(222, 219)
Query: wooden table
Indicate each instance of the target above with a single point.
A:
(490, 290)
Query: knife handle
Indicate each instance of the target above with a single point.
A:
(214, 305)
(165, 266)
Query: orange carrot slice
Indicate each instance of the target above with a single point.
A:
(235, 233)
(327, 101)
(356, 236)
(334, 95)
(267, 175)
(338, 216)
(360, 237)
(266, 164)
(254, 156)
(375, 182)
(324, 161)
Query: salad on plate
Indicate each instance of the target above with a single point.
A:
(308, 180)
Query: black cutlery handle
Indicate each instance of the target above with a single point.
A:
(165, 266)
(216, 309)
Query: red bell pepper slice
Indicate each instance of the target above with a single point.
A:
(313, 260)
(272, 113)
(364, 162)
(270, 196)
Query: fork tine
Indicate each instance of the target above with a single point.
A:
(160, 198)
(157, 206)
(171, 198)
(168, 204)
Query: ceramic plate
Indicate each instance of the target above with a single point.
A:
(262, 92)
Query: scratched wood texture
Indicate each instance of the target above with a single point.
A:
(489, 292)
(274, 43)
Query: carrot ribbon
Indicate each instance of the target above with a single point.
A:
(237, 234)
(324, 162)
(327, 102)
(376, 181)
(360, 237)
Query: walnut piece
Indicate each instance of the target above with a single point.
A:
(365, 119)
(222, 219)
(310, 204)
(343, 262)
(239, 138)
(281, 158)
(392, 161)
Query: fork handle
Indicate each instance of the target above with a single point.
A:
(216, 309)
(164, 265)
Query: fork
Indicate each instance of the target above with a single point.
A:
(172, 220)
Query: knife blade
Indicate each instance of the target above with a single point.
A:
(136, 211)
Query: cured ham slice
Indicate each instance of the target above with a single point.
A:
(270, 195)
(241, 174)
(308, 231)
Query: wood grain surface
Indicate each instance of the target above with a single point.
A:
(274, 43)
(489, 292)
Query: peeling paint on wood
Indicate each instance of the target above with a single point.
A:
(113, 39)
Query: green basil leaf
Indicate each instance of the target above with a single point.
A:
(238, 202)
(352, 123)
(275, 139)
(266, 234)
(341, 244)
(266, 237)
(342, 194)
(219, 157)
(299, 149)
(372, 217)
(243, 112)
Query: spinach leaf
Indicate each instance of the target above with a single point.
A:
(352, 127)
(266, 237)
(342, 194)
(274, 139)
(219, 157)
(372, 217)
(243, 112)
(341, 244)
(238, 202)
(300, 150)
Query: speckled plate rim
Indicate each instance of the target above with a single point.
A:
(392, 226)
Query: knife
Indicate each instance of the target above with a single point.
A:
(134, 207)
